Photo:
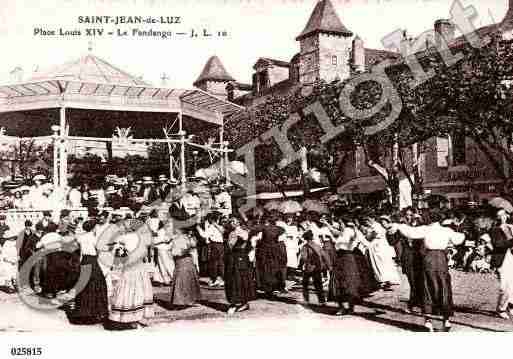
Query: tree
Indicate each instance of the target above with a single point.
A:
(26, 158)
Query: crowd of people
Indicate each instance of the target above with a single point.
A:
(347, 254)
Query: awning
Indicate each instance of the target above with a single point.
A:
(363, 185)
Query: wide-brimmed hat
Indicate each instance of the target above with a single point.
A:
(110, 190)
(39, 178)
(147, 180)
(162, 178)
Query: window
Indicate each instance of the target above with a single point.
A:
(334, 60)
(459, 153)
(442, 151)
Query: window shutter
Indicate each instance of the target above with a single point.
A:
(442, 151)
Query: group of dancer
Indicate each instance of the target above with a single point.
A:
(348, 255)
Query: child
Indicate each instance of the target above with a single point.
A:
(313, 260)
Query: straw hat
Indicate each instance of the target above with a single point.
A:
(39, 177)
(110, 190)
(162, 178)
(147, 180)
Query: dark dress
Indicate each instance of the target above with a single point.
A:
(91, 303)
(352, 277)
(239, 284)
(269, 259)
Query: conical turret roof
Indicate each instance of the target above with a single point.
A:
(213, 71)
(324, 19)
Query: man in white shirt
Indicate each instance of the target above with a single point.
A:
(437, 279)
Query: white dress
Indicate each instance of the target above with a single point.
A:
(382, 255)
(165, 265)
(291, 240)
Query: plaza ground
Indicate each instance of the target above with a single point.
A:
(474, 294)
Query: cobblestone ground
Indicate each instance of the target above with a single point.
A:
(474, 294)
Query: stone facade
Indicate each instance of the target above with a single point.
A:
(326, 57)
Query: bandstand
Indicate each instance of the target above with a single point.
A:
(88, 99)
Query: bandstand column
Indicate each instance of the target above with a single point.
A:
(181, 132)
(63, 156)
(55, 138)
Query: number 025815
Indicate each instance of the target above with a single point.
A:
(26, 351)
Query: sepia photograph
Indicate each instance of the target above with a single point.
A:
(256, 167)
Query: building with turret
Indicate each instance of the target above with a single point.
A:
(452, 166)
(328, 50)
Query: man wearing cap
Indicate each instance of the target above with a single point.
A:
(164, 187)
(148, 192)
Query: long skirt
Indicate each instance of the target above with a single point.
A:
(505, 274)
(165, 266)
(91, 304)
(239, 285)
(268, 267)
(329, 248)
(437, 284)
(346, 281)
(133, 295)
(185, 289)
(412, 263)
(368, 283)
(382, 261)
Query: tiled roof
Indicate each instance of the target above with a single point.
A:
(272, 61)
(90, 69)
(214, 71)
(324, 19)
(374, 56)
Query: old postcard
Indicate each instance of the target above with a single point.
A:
(171, 167)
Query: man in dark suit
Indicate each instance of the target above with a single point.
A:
(502, 260)
(164, 187)
(148, 191)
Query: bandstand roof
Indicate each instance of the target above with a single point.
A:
(92, 83)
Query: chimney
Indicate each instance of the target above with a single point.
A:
(444, 29)
(405, 43)
(358, 54)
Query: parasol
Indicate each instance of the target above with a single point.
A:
(207, 173)
(311, 205)
(272, 205)
(499, 202)
(288, 207)
(237, 167)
